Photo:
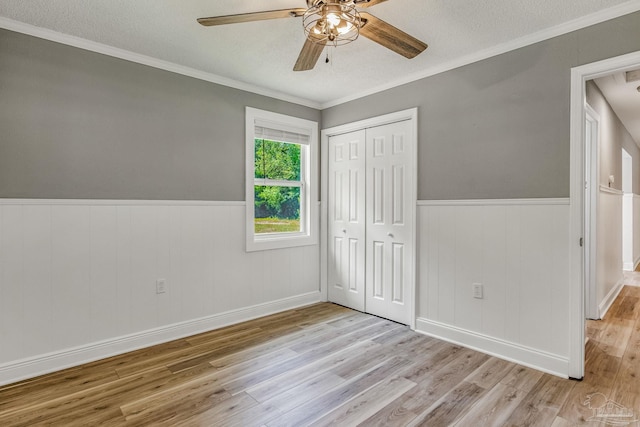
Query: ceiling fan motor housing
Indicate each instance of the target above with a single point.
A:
(337, 22)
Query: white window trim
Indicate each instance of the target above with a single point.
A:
(308, 206)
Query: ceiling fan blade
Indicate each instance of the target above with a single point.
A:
(309, 55)
(368, 3)
(250, 17)
(387, 35)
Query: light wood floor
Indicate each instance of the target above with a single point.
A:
(327, 365)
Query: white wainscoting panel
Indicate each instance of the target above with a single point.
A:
(636, 230)
(519, 251)
(609, 277)
(78, 278)
(627, 231)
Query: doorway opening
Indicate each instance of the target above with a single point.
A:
(581, 212)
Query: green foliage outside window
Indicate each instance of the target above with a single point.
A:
(277, 160)
(277, 208)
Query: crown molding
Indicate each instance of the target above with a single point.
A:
(553, 201)
(69, 40)
(558, 30)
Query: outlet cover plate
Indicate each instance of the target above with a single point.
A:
(161, 286)
(477, 290)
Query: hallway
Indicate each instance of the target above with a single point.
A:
(612, 353)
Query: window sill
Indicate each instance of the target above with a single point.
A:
(279, 241)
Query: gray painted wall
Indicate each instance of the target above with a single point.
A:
(613, 137)
(77, 124)
(498, 128)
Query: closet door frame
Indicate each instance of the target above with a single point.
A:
(410, 115)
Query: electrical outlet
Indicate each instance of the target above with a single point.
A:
(161, 286)
(477, 290)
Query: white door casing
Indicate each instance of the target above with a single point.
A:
(390, 211)
(346, 218)
(592, 129)
(579, 265)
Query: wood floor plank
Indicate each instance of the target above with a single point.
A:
(145, 356)
(347, 322)
(225, 338)
(561, 422)
(332, 314)
(574, 407)
(321, 405)
(451, 406)
(332, 333)
(490, 373)
(209, 354)
(218, 414)
(362, 363)
(633, 346)
(185, 353)
(210, 383)
(305, 391)
(247, 365)
(280, 384)
(329, 365)
(367, 403)
(411, 345)
(615, 336)
(234, 346)
(433, 380)
(494, 408)
(439, 355)
(627, 378)
(433, 387)
(255, 416)
(395, 336)
(390, 415)
(99, 405)
(311, 355)
(522, 378)
(602, 368)
(265, 348)
(193, 400)
(542, 404)
(628, 308)
(630, 402)
(52, 386)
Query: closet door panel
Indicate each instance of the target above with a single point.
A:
(346, 222)
(389, 227)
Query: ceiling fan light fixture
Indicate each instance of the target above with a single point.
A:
(332, 22)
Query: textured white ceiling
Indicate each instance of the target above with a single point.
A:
(262, 54)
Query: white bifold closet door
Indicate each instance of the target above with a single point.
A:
(346, 219)
(370, 220)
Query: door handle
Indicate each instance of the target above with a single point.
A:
(390, 235)
(344, 230)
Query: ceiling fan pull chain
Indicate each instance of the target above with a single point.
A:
(329, 58)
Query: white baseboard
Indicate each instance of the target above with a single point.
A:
(605, 304)
(51, 362)
(536, 359)
(628, 266)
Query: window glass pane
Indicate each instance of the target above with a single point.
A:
(277, 160)
(277, 209)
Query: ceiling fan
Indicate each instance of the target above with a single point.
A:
(332, 22)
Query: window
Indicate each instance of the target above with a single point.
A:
(281, 180)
